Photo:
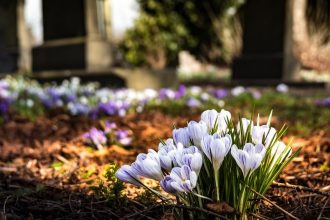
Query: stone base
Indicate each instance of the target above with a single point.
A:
(59, 57)
(136, 78)
(73, 54)
(258, 67)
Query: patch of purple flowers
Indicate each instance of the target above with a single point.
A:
(110, 134)
(323, 102)
(4, 106)
(113, 108)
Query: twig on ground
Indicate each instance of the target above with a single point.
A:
(322, 210)
(4, 207)
(258, 216)
(304, 188)
(274, 204)
(176, 206)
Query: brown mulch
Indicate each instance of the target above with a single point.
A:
(33, 187)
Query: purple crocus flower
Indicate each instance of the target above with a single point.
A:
(51, 98)
(109, 126)
(123, 137)
(256, 94)
(94, 113)
(54, 93)
(78, 109)
(220, 93)
(165, 93)
(4, 105)
(180, 92)
(113, 108)
(96, 137)
(70, 97)
(193, 103)
(108, 108)
(162, 94)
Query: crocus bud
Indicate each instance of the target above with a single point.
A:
(181, 135)
(224, 117)
(197, 131)
(166, 155)
(127, 174)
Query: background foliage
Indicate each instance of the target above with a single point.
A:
(208, 29)
(211, 30)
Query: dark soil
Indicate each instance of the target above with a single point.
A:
(33, 187)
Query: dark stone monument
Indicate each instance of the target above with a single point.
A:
(72, 37)
(62, 20)
(267, 42)
(8, 36)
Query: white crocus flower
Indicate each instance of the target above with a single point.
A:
(166, 154)
(190, 156)
(148, 165)
(282, 88)
(245, 125)
(224, 117)
(237, 90)
(165, 143)
(183, 179)
(248, 159)
(197, 131)
(127, 174)
(280, 150)
(216, 149)
(262, 134)
(181, 135)
(210, 118)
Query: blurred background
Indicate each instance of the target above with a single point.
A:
(167, 42)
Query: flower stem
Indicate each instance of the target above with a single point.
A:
(216, 175)
(199, 199)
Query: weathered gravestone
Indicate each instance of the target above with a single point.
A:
(8, 36)
(76, 36)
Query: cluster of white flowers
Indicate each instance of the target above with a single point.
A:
(179, 160)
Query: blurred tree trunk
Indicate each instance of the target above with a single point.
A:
(308, 47)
